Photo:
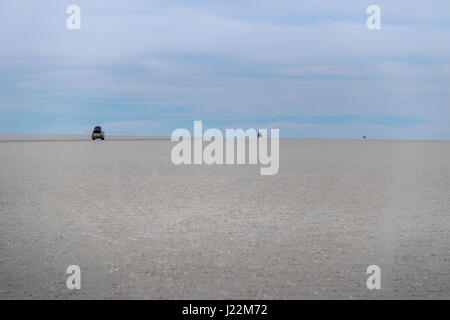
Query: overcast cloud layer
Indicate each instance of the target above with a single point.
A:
(311, 69)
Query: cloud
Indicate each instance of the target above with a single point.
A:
(233, 61)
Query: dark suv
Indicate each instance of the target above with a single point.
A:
(98, 133)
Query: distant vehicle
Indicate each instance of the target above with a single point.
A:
(98, 133)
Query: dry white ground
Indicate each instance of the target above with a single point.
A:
(141, 227)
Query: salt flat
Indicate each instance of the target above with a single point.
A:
(142, 227)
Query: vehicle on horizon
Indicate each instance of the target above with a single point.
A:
(98, 133)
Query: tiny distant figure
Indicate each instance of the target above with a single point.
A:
(364, 137)
(259, 135)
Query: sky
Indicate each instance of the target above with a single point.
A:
(311, 69)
